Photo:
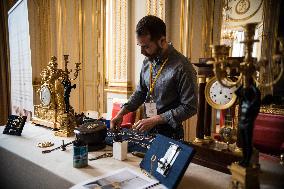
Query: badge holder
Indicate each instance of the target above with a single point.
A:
(150, 107)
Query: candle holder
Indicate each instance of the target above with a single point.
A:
(247, 82)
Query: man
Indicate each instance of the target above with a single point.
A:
(167, 85)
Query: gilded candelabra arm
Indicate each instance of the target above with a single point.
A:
(223, 77)
(77, 69)
(222, 68)
(67, 72)
(271, 82)
(66, 61)
(277, 66)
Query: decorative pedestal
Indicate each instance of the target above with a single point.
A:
(67, 125)
(63, 133)
(46, 116)
(244, 177)
(46, 123)
(203, 127)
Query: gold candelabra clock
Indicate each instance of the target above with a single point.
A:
(54, 92)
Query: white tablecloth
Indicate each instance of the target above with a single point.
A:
(23, 165)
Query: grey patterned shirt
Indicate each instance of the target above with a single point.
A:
(175, 92)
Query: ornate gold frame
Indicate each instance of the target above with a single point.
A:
(248, 17)
(213, 104)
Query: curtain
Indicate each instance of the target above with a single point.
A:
(4, 65)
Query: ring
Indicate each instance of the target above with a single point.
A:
(153, 158)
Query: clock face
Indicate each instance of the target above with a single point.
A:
(45, 95)
(218, 96)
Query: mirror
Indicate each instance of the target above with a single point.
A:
(237, 13)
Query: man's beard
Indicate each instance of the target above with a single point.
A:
(157, 56)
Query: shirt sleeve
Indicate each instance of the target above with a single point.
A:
(139, 96)
(187, 89)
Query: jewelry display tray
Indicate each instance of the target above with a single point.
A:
(177, 153)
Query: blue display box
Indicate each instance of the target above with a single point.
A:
(167, 160)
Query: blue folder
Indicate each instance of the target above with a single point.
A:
(158, 149)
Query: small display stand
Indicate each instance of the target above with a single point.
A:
(15, 125)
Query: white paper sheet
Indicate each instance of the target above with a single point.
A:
(123, 179)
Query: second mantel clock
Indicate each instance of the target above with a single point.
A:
(218, 96)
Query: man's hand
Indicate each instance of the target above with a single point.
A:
(116, 121)
(147, 124)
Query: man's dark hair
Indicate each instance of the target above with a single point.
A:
(151, 25)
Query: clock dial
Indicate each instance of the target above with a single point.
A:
(45, 95)
(218, 96)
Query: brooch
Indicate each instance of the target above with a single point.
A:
(44, 144)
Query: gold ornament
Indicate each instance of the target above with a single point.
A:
(45, 144)
(242, 6)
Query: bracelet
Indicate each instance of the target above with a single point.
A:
(105, 155)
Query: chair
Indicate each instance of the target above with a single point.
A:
(128, 119)
(268, 135)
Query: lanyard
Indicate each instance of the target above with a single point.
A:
(152, 84)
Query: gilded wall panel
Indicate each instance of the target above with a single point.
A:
(89, 56)
(68, 40)
(199, 27)
(118, 25)
(73, 27)
(89, 47)
(89, 94)
(156, 7)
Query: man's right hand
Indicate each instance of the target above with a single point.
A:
(116, 121)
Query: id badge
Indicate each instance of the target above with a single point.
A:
(151, 109)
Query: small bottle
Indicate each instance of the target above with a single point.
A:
(80, 154)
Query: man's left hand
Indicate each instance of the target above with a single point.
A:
(147, 124)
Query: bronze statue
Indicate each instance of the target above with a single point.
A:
(249, 108)
(67, 90)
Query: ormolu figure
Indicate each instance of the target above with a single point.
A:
(67, 90)
(249, 108)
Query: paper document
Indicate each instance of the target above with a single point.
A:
(121, 179)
